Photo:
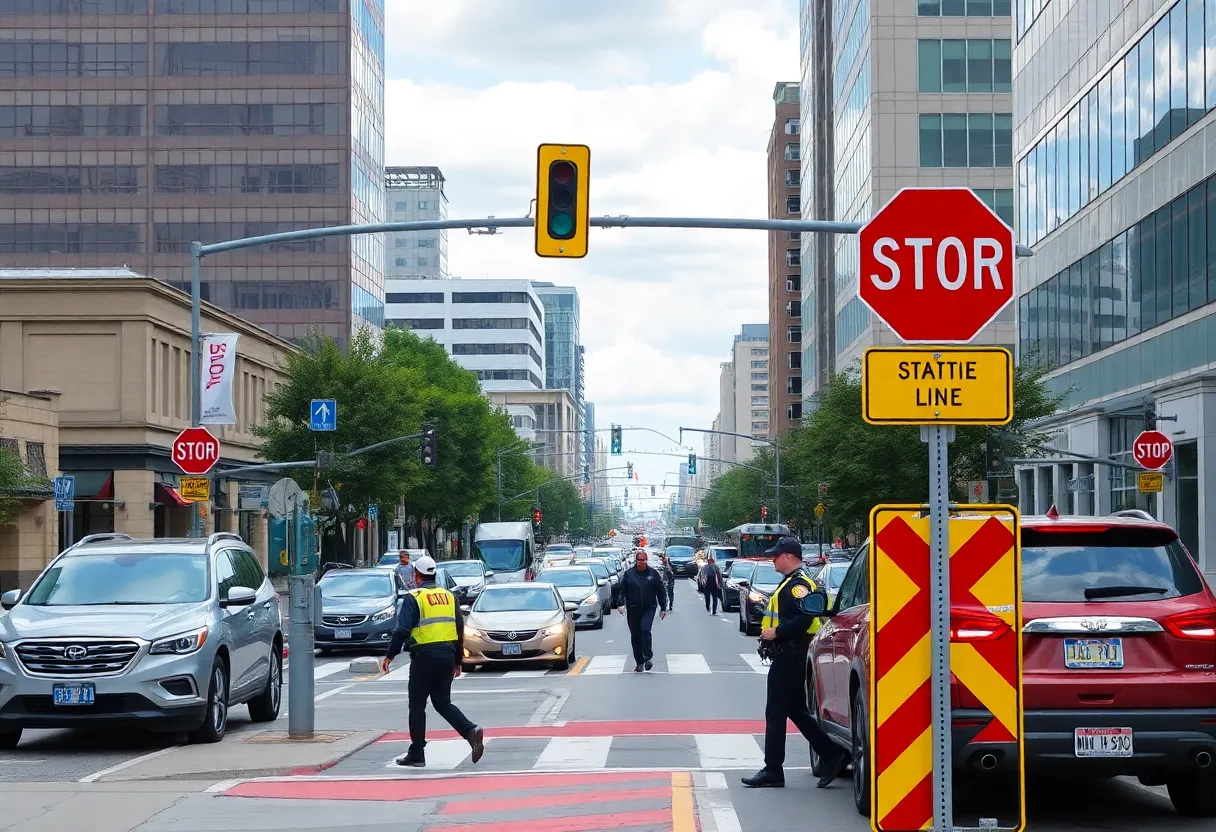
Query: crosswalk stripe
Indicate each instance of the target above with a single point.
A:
(605, 665)
(729, 751)
(323, 671)
(563, 753)
(687, 663)
(524, 674)
(443, 755)
(401, 674)
(755, 662)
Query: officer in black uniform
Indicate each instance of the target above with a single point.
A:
(785, 637)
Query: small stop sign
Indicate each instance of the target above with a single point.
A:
(195, 451)
(936, 265)
(1152, 449)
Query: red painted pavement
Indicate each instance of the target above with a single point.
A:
(581, 823)
(632, 728)
(507, 804)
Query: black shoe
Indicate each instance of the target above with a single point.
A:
(833, 770)
(478, 741)
(649, 665)
(417, 760)
(637, 669)
(765, 779)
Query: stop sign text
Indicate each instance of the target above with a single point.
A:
(195, 451)
(1152, 449)
(949, 259)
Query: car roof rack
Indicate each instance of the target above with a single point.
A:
(216, 537)
(1139, 514)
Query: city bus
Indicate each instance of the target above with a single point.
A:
(753, 539)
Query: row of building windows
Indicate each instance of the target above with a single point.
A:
(509, 375)
(999, 200)
(248, 119)
(497, 349)
(24, 121)
(851, 321)
(852, 176)
(366, 305)
(1164, 84)
(247, 179)
(287, 294)
(257, 58)
(1159, 269)
(963, 8)
(32, 7)
(496, 323)
(421, 262)
(1025, 13)
(848, 117)
(70, 238)
(57, 59)
(72, 179)
(465, 297)
(175, 237)
(413, 297)
(414, 323)
(403, 241)
(973, 65)
(966, 140)
(423, 205)
(852, 46)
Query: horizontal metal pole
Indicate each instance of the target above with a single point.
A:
(266, 466)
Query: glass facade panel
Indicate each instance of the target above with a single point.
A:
(954, 140)
(58, 59)
(931, 141)
(250, 58)
(248, 119)
(72, 179)
(247, 179)
(24, 121)
(70, 238)
(929, 65)
(248, 6)
(954, 66)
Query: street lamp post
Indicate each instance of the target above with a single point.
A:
(773, 443)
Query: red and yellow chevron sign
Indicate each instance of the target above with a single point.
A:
(985, 652)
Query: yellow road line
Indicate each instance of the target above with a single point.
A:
(578, 666)
(683, 818)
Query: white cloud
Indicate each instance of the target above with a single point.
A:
(659, 307)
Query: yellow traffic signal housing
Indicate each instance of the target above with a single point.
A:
(563, 177)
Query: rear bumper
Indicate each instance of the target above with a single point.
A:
(684, 570)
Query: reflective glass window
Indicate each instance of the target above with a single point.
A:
(930, 141)
(1180, 268)
(954, 140)
(979, 140)
(1194, 64)
(954, 66)
(1165, 259)
(69, 238)
(1002, 65)
(1118, 106)
(979, 66)
(929, 65)
(1148, 272)
(1104, 126)
(1197, 248)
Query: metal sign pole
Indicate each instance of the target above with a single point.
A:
(938, 439)
(301, 708)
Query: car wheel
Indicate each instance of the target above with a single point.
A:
(573, 646)
(1193, 793)
(215, 723)
(266, 707)
(465, 667)
(812, 698)
(861, 759)
(598, 625)
(563, 663)
(742, 624)
(9, 739)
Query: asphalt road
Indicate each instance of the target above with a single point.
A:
(598, 746)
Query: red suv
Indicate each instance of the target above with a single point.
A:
(1119, 638)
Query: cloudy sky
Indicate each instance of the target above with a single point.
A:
(674, 98)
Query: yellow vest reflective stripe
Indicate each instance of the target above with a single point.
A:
(436, 616)
(772, 616)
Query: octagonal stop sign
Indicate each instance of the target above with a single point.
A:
(936, 265)
(195, 451)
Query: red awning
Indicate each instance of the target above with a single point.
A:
(167, 495)
(95, 486)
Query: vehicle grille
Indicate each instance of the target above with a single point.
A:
(343, 620)
(505, 635)
(63, 658)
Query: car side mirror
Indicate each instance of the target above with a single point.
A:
(401, 593)
(744, 582)
(602, 582)
(571, 606)
(239, 596)
(489, 573)
(466, 609)
(9, 599)
(815, 604)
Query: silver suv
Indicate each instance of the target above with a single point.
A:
(161, 634)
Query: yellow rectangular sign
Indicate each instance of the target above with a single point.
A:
(1150, 482)
(937, 386)
(195, 489)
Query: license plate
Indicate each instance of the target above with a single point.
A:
(1102, 742)
(1093, 653)
(512, 649)
(341, 634)
(77, 694)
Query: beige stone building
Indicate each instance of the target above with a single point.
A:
(115, 345)
(29, 429)
(556, 426)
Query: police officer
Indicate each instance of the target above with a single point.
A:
(786, 633)
(429, 620)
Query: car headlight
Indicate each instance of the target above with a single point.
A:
(556, 630)
(180, 645)
(384, 614)
(756, 598)
(472, 631)
(592, 598)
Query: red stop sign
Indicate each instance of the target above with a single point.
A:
(1152, 449)
(196, 451)
(936, 265)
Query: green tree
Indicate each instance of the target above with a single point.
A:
(13, 479)
(734, 498)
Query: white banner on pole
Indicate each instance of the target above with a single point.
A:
(218, 368)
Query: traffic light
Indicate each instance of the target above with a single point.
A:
(692, 463)
(996, 456)
(626, 493)
(562, 179)
(652, 491)
(763, 512)
(536, 516)
(616, 440)
(429, 446)
(1150, 417)
(586, 474)
(628, 470)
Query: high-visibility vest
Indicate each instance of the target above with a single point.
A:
(436, 616)
(772, 616)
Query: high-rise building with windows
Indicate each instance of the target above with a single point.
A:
(130, 128)
(563, 352)
(1115, 157)
(743, 394)
(416, 194)
(784, 277)
(893, 94)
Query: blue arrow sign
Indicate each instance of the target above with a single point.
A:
(323, 415)
(65, 493)
(373, 512)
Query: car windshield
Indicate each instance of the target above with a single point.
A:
(832, 576)
(1117, 564)
(516, 599)
(721, 553)
(766, 575)
(559, 547)
(389, 559)
(742, 568)
(355, 586)
(566, 577)
(467, 569)
(501, 555)
(597, 568)
(152, 578)
(680, 552)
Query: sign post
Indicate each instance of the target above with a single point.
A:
(65, 504)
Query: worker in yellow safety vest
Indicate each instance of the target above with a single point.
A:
(430, 621)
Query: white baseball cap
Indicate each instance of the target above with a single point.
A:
(425, 565)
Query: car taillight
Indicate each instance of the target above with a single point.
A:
(1196, 624)
(975, 625)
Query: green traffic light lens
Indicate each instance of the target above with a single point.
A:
(561, 225)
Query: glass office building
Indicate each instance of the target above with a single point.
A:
(563, 352)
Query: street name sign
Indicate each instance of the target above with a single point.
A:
(936, 265)
(323, 415)
(937, 385)
(195, 489)
(65, 493)
(1152, 449)
(195, 451)
(1150, 482)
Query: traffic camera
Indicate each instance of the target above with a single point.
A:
(692, 463)
(562, 221)
(616, 440)
(430, 445)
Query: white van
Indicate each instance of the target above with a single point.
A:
(507, 549)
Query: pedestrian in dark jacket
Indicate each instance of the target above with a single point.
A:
(711, 584)
(642, 593)
(669, 582)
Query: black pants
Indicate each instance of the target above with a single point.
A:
(671, 593)
(787, 700)
(715, 593)
(640, 623)
(431, 676)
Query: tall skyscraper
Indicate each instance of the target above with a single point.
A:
(784, 276)
(563, 352)
(130, 128)
(876, 74)
(743, 386)
(416, 194)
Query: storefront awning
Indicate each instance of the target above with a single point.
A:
(93, 485)
(168, 495)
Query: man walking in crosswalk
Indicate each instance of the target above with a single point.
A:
(642, 593)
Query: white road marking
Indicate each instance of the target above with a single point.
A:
(401, 674)
(710, 780)
(443, 755)
(524, 674)
(546, 713)
(729, 751)
(755, 661)
(687, 663)
(725, 819)
(134, 761)
(322, 671)
(563, 753)
(328, 694)
(398, 694)
(605, 665)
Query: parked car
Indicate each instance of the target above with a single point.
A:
(603, 570)
(470, 576)
(519, 622)
(763, 582)
(683, 560)
(160, 634)
(722, 557)
(736, 581)
(1119, 676)
(829, 577)
(578, 585)
(358, 609)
